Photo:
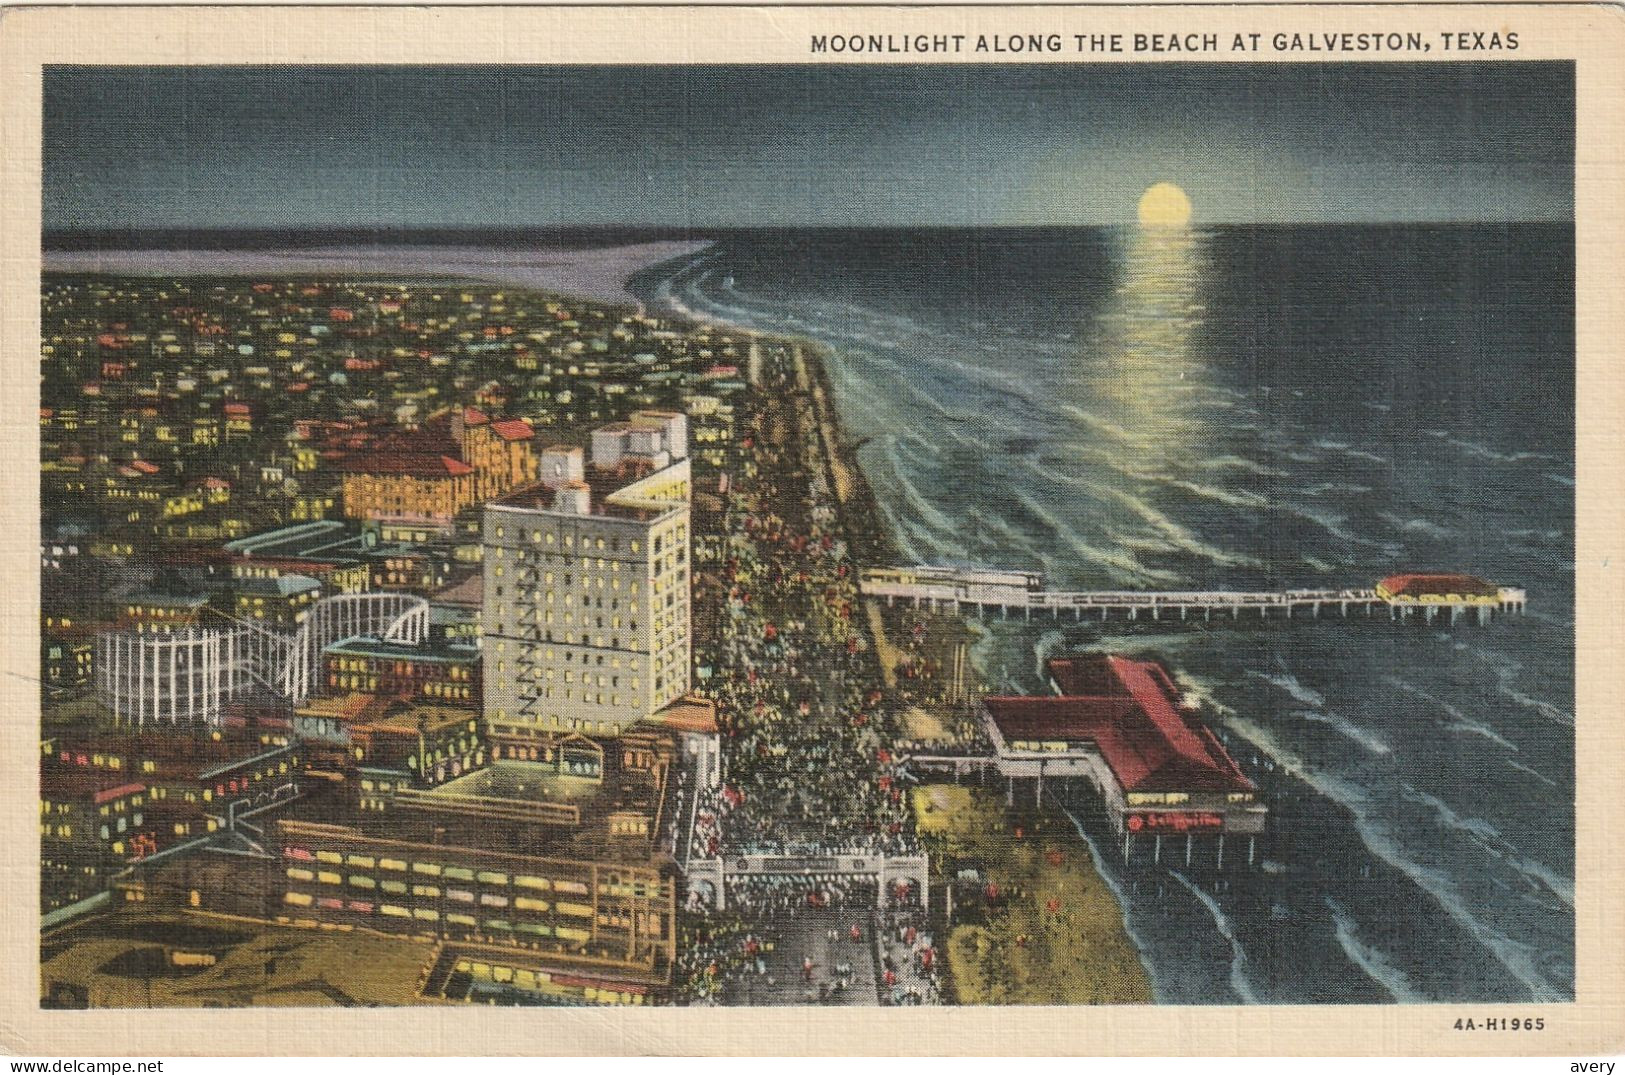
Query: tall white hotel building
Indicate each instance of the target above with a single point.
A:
(586, 600)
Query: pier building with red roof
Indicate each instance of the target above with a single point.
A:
(1124, 727)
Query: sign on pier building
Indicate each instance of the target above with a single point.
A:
(1122, 726)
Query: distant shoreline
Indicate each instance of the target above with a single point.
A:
(590, 273)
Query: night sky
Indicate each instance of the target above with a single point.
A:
(734, 146)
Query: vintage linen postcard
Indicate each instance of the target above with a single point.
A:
(683, 529)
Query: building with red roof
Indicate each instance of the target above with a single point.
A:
(417, 477)
(500, 451)
(1443, 587)
(513, 429)
(457, 459)
(694, 719)
(1123, 726)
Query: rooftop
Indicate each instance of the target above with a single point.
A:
(1441, 583)
(326, 539)
(603, 485)
(281, 586)
(61, 784)
(485, 811)
(513, 429)
(416, 464)
(362, 646)
(161, 599)
(1132, 715)
(469, 591)
(353, 707)
(689, 714)
(411, 719)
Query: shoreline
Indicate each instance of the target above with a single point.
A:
(861, 519)
(589, 274)
(872, 544)
(1045, 929)
(860, 509)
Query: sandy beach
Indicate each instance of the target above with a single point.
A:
(599, 274)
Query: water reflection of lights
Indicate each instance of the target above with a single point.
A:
(1140, 370)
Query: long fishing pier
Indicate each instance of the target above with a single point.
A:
(1022, 593)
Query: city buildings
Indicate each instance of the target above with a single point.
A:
(110, 797)
(280, 567)
(586, 602)
(434, 672)
(427, 475)
(90, 822)
(527, 884)
(328, 551)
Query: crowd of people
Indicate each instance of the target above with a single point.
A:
(910, 967)
(712, 950)
(808, 730)
(807, 727)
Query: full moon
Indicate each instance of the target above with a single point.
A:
(1164, 205)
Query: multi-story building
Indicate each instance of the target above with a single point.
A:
(67, 660)
(436, 673)
(418, 568)
(90, 824)
(414, 745)
(328, 551)
(499, 450)
(528, 887)
(154, 612)
(586, 599)
(424, 477)
(246, 766)
(329, 719)
(112, 798)
(393, 483)
(282, 601)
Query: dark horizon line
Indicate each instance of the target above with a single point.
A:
(71, 238)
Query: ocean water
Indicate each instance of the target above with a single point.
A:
(1253, 407)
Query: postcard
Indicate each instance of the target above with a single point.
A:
(677, 529)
